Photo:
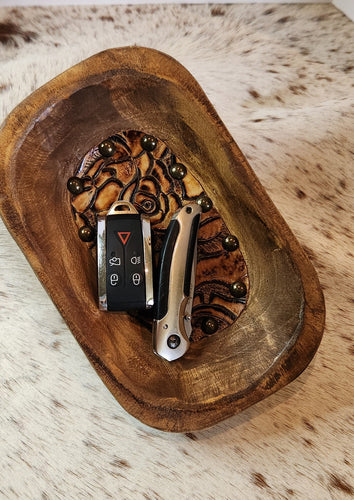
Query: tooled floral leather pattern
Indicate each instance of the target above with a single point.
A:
(144, 179)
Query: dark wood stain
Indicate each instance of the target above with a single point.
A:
(272, 380)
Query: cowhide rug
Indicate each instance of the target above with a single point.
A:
(281, 78)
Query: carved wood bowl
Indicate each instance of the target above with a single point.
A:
(43, 142)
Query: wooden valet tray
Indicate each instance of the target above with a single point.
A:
(42, 142)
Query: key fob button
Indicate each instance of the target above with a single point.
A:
(136, 279)
(135, 260)
(114, 279)
(115, 261)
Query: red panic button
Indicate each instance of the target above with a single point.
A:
(124, 236)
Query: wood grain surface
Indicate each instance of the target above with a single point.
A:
(142, 89)
(285, 95)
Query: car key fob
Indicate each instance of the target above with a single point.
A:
(124, 259)
(172, 326)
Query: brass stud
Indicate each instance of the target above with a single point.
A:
(107, 148)
(148, 142)
(86, 233)
(205, 203)
(178, 171)
(209, 326)
(238, 289)
(75, 185)
(230, 243)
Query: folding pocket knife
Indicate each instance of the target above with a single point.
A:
(172, 325)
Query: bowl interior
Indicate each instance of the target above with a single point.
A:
(77, 113)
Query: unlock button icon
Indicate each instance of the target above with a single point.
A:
(136, 278)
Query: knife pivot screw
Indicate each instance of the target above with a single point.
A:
(209, 326)
(173, 341)
(230, 243)
(188, 317)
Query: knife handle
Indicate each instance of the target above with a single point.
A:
(175, 285)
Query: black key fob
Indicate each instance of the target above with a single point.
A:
(124, 259)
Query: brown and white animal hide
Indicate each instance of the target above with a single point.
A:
(281, 78)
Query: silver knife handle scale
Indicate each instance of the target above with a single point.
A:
(172, 326)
